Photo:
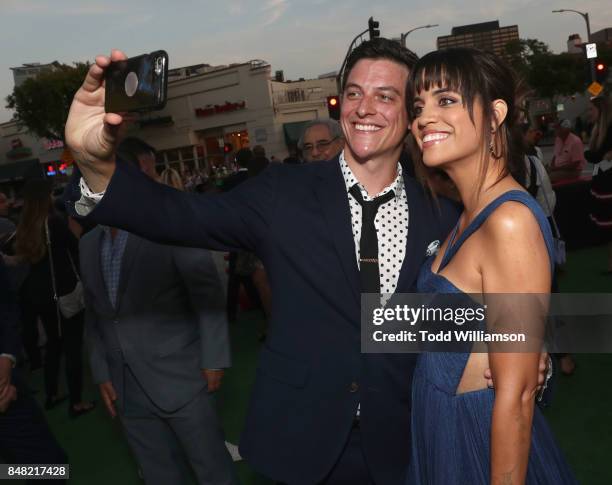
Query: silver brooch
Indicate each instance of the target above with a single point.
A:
(433, 248)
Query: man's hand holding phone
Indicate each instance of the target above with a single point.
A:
(113, 87)
(91, 133)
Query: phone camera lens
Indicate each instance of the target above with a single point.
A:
(159, 65)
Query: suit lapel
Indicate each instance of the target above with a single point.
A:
(332, 195)
(127, 262)
(415, 247)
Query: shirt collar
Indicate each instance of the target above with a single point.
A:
(107, 232)
(349, 180)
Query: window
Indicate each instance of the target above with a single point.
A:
(186, 153)
(172, 155)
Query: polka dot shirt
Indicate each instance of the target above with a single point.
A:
(391, 225)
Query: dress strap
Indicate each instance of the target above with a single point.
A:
(511, 195)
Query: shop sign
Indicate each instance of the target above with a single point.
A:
(216, 109)
(49, 144)
(17, 150)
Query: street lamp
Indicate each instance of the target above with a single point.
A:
(403, 36)
(585, 16)
(374, 33)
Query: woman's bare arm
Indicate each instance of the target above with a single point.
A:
(516, 261)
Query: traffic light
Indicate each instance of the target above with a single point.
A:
(601, 71)
(373, 28)
(228, 148)
(333, 107)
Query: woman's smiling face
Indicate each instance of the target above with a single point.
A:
(443, 128)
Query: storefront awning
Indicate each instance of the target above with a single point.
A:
(20, 170)
(293, 131)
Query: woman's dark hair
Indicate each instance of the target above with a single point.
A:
(244, 157)
(30, 239)
(379, 48)
(478, 75)
(603, 121)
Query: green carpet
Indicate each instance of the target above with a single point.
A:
(581, 415)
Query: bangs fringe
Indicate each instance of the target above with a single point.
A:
(446, 69)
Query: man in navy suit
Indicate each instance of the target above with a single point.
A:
(320, 410)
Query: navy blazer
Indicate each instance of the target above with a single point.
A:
(311, 374)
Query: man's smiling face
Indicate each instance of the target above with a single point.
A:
(373, 112)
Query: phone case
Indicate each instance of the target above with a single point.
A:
(137, 84)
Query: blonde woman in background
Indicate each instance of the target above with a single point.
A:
(171, 177)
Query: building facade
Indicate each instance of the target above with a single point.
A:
(211, 112)
(214, 111)
(574, 44)
(31, 70)
(486, 35)
(603, 37)
(23, 156)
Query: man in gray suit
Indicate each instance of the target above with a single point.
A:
(158, 337)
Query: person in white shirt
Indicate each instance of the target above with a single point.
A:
(537, 181)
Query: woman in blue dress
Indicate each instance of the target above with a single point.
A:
(465, 117)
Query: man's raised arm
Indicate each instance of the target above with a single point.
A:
(115, 194)
(91, 133)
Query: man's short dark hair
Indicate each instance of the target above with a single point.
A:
(244, 157)
(259, 151)
(379, 48)
(131, 148)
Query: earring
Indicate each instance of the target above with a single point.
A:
(492, 144)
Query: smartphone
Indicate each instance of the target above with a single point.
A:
(137, 84)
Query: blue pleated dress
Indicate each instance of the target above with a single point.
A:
(450, 432)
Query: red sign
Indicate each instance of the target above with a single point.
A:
(50, 144)
(219, 109)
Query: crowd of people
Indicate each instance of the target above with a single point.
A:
(133, 269)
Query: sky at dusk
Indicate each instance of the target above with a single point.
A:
(303, 38)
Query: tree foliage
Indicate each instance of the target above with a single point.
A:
(41, 104)
(547, 74)
(604, 54)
